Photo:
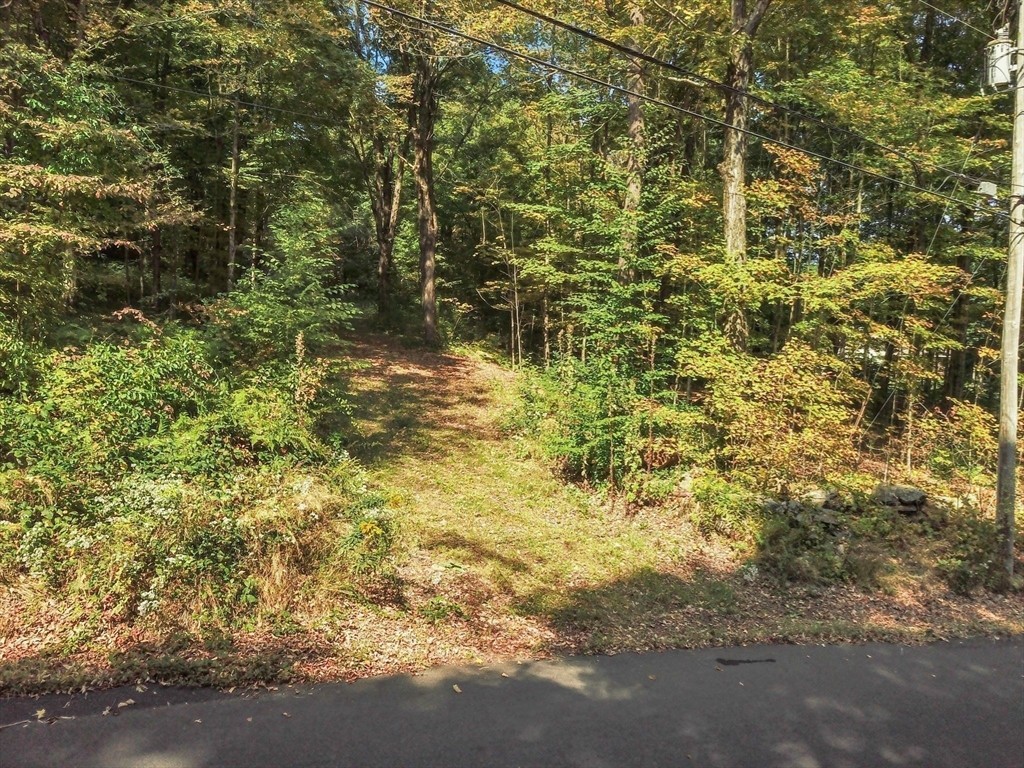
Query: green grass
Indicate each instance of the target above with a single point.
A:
(495, 557)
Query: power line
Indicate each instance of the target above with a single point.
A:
(594, 37)
(955, 18)
(652, 100)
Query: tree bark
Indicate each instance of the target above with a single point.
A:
(425, 108)
(233, 202)
(635, 160)
(733, 168)
(156, 256)
(385, 202)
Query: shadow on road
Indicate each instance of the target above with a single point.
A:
(942, 705)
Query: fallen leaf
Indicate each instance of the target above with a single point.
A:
(504, 674)
(456, 689)
(40, 714)
(651, 677)
(197, 721)
(286, 714)
(126, 703)
(106, 711)
(248, 719)
(141, 688)
(718, 668)
(741, 683)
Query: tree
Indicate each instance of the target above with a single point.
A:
(743, 28)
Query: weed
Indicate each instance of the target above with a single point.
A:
(440, 608)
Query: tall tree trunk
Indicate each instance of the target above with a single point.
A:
(385, 202)
(233, 202)
(425, 108)
(635, 162)
(956, 369)
(734, 163)
(156, 256)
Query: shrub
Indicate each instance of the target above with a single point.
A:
(135, 480)
(91, 408)
(172, 546)
(294, 292)
(779, 421)
(962, 442)
(968, 553)
(587, 415)
(725, 508)
(372, 536)
(801, 548)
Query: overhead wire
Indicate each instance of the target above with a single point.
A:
(717, 84)
(954, 18)
(667, 105)
(327, 122)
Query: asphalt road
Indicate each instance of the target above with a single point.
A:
(950, 704)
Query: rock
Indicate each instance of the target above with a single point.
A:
(802, 513)
(839, 502)
(827, 499)
(904, 498)
(827, 518)
(817, 498)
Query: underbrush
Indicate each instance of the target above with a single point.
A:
(142, 479)
(189, 475)
(738, 458)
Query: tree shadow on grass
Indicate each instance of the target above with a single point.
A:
(615, 614)
(477, 551)
(406, 401)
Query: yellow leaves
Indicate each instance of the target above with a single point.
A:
(370, 529)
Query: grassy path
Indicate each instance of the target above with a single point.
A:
(532, 564)
(497, 559)
(488, 530)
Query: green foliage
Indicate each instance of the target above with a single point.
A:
(294, 292)
(171, 544)
(781, 421)
(803, 547)
(962, 442)
(92, 411)
(438, 609)
(723, 507)
(967, 553)
(372, 536)
(17, 358)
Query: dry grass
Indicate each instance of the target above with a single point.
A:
(497, 559)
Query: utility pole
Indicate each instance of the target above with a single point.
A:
(1006, 475)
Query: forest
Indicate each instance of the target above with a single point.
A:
(677, 279)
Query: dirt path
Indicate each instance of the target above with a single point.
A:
(527, 563)
(497, 559)
(416, 403)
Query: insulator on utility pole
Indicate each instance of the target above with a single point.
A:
(999, 61)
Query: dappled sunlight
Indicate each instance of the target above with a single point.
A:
(581, 679)
(813, 706)
(135, 753)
